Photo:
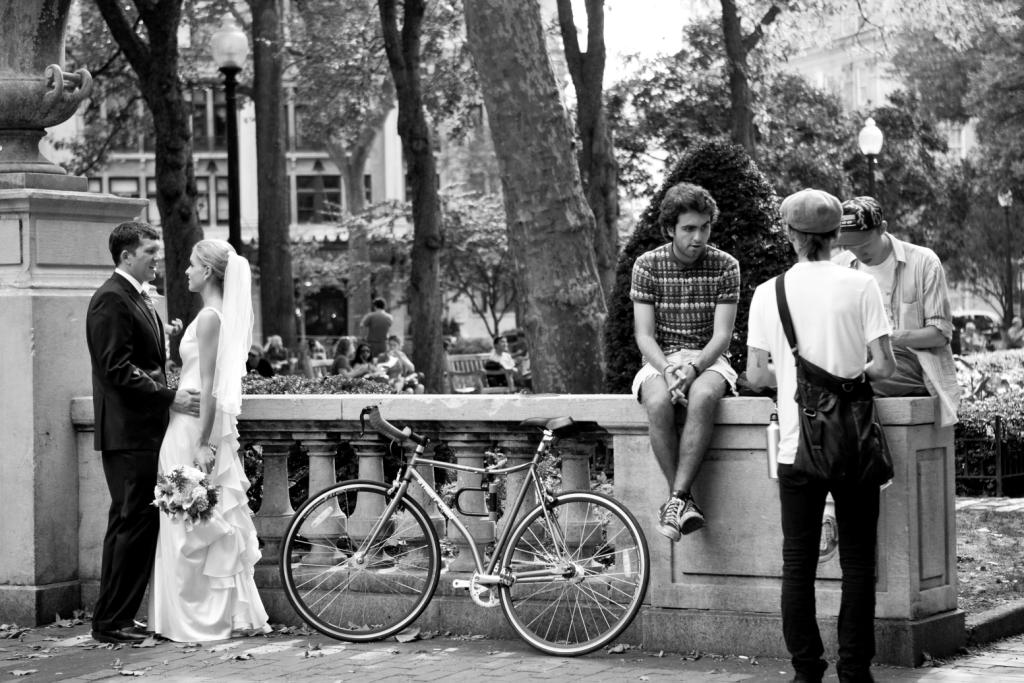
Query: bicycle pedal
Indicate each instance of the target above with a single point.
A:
(461, 583)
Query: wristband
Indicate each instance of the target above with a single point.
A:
(212, 447)
(694, 366)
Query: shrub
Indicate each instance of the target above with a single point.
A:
(746, 228)
(975, 432)
(297, 384)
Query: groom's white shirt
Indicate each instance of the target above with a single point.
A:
(135, 283)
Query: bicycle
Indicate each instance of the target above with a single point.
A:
(361, 560)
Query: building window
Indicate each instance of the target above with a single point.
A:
(200, 134)
(368, 188)
(96, 185)
(203, 200)
(152, 211)
(125, 187)
(223, 214)
(304, 140)
(317, 197)
(220, 121)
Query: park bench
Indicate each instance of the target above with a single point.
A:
(468, 375)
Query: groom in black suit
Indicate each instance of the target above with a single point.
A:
(131, 400)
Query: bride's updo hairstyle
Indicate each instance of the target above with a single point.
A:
(214, 254)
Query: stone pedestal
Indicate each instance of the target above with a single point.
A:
(53, 255)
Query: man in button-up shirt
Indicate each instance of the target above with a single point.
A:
(913, 285)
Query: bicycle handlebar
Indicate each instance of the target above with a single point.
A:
(382, 426)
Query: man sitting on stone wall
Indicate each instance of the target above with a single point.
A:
(684, 297)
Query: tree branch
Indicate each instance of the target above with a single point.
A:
(135, 49)
(751, 41)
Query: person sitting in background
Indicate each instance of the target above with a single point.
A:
(344, 350)
(257, 363)
(275, 352)
(971, 341)
(501, 355)
(401, 371)
(364, 366)
(501, 359)
(1015, 334)
(315, 349)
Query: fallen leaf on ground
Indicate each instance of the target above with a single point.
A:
(150, 641)
(243, 657)
(24, 672)
(127, 672)
(408, 635)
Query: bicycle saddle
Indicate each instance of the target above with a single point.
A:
(560, 426)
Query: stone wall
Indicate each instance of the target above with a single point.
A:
(716, 590)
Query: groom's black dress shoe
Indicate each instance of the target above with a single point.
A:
(119, 636)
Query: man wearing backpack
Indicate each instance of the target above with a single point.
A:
(838, 316)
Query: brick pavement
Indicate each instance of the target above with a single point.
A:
(68, 653)
(52, 653)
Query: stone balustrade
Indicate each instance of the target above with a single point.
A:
(716, 590)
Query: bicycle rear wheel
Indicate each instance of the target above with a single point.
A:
(349, 589)
(580, 574)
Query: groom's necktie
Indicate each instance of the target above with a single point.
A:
(149, 305)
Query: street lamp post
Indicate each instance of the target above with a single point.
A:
(870, 141)
(230, 48)
(1005, 199)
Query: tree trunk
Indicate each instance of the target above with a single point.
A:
(277, 287)
(156, 64)
(737, 48)
(403, 50)
(551, 228)
(598, 167)
(352, 162)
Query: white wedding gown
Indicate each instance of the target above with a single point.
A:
(203, 586)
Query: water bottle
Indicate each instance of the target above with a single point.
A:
(773, 435)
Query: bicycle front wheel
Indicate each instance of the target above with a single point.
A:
(580, 572)
(348, 586)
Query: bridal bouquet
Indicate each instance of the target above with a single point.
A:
(185, 494)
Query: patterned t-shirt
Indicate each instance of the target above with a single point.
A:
(684, 296)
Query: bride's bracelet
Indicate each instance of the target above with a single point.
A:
(212, 447)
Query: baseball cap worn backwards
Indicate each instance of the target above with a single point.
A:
(861, 215)
(811, 211)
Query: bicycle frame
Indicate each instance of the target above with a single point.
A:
(486, 574)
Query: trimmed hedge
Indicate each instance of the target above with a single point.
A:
(298, 384)
(747, 228)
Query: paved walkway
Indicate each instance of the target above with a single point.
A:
(68, 653)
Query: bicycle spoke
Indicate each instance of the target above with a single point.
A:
(328, 583)
(599, 570)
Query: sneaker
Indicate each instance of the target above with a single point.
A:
(690, 517)
(668, 518)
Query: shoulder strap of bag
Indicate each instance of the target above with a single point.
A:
(787, 321)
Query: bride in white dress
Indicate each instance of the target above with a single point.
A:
(203, 586)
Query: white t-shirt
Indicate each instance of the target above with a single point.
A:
(885, 275)
(836, 312)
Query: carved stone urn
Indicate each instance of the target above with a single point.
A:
(35, 91)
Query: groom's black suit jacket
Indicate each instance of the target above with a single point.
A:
(129, 387)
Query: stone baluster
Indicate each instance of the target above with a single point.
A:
(427, 472)
(471, 453)
(369, 508)
(323, 530)
(581, 526)
(519, 449)
(276, 508)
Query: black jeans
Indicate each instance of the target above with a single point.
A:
(803, 503)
